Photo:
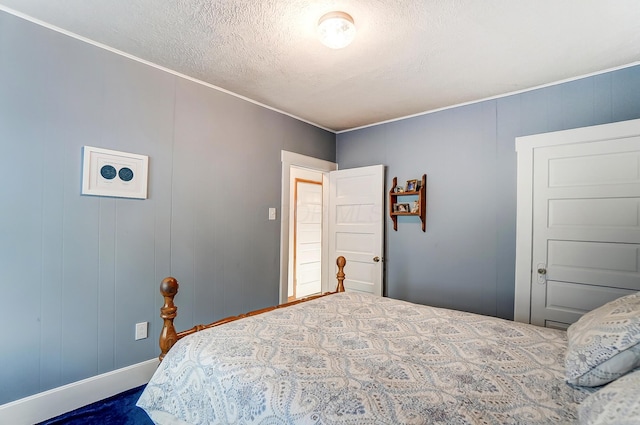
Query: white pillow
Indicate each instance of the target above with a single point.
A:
(618, 403)
(604, 344)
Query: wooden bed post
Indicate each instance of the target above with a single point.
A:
(341, 261)
(168, 312)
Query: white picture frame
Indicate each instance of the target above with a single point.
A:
(107, 172)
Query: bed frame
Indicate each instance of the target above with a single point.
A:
(169, 311)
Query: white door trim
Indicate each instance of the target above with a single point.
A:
(525, 147)
(292, 159)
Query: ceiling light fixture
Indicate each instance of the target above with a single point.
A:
(336, 29)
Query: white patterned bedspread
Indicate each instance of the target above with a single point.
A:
(353, 358)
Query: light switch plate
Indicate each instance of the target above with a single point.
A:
(272, 213)
(141, 330)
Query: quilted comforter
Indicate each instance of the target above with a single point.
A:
(353, 358)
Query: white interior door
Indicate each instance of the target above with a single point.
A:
(356, 226)
(586, 228)
(308, 238)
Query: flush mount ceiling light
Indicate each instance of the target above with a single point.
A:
(336, 29)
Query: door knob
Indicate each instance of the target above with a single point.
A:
(542, 273)
(376, 259)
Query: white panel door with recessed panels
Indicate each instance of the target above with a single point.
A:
(356, 223)
(585, 223)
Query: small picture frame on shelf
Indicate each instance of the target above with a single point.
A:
(412, 185)
(401, 208)
(416, 207)
(399, 189)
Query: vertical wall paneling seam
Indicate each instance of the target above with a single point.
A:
(173, 155)
(115, 282)
(60, 283)
(171, 185)
(154, 163)
(496, 153)
(194, 249)
(113, 285)
(42, 263)
(99, 308)
(65, 172)
(98, 283)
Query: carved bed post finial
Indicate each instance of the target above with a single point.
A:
(341, 261)
(168, 312)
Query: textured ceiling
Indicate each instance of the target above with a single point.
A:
(409, 56)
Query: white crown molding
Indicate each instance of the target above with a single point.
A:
(154, 65)
(499, 96)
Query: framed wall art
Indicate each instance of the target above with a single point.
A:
(113, 173)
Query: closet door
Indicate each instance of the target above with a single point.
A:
(578, 221)
(586, 227)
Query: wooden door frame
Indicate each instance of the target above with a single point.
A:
(291, 159)
(525, 147)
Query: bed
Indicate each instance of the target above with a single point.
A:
(353, 358)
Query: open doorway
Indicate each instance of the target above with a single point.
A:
(305, 233)
(352, 223)
(303, 168)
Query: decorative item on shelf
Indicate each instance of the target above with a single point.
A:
(401, 208)
(414, 188)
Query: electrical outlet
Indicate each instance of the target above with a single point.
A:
(141, 330)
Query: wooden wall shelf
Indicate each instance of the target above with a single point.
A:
(421, 194)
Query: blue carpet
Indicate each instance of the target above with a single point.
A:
(120, 409)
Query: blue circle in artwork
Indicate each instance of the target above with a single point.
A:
(125, 174)
(108, 172)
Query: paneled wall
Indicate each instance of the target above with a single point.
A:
(79, 271)
(466, 258)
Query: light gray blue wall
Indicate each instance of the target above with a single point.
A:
(78, 271)
(466, 259)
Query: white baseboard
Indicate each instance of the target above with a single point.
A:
(49, 404)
